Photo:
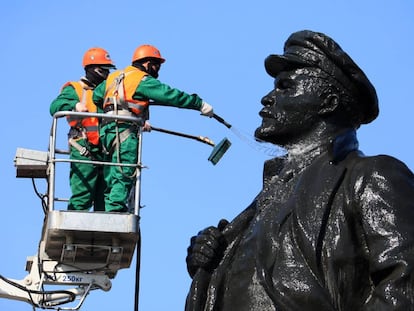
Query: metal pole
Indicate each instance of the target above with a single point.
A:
(202, 139)
(136, 212)
(52, 166)
(137, 203)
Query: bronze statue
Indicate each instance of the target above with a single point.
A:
(331, 229)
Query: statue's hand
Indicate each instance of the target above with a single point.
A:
(206, 249)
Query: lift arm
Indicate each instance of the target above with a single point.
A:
(72, 285)
(79, 251)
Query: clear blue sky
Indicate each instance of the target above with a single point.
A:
(213, 48)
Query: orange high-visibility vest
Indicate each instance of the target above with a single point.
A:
(89, 124)
(121, 86)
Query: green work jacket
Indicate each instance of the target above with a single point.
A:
(65, 101)
(160, 93)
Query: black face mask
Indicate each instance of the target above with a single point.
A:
(153, 73)
(95, 75)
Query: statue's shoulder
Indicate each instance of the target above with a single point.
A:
(383, 165)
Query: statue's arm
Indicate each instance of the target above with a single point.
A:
(385, 192)
(206, 249)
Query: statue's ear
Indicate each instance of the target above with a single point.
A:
(329, 104)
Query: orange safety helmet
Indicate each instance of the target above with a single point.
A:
(97, 56)
(147, 51)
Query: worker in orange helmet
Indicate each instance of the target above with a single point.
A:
(86, 180)
(130, 92)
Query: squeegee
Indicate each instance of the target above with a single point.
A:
(219, 150)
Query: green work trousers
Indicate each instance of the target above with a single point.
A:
(119, 179)
(86, 180)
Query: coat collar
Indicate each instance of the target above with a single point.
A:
(342, 145)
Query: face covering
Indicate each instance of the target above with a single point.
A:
(95, 75)
(153, 67)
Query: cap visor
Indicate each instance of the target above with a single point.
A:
(275, 64)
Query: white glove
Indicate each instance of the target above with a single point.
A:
(80, 107)
(206, 110)
(147, 126)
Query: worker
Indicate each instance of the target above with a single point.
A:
(130, 92)
(86, 179)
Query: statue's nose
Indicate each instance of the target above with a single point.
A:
(267, 100)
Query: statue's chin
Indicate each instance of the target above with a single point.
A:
(270, 135)
(258, 133)
(263, 134)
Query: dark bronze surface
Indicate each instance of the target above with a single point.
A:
(331, 229)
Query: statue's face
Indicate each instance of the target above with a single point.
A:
(291, 109)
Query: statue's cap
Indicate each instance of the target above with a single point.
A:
(313, 49)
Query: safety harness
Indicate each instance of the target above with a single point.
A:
(120, 88)
(118, 100)
(83, 127)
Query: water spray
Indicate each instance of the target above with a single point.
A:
(255, 143)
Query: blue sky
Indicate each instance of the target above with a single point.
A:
(213, 48)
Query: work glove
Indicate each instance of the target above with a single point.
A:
(147, 126)
(206, 249)
(80, 107)
(206, 110)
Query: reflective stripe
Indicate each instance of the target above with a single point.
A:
(121, 86)
(121, 112)
(91, 128)
(90, 125)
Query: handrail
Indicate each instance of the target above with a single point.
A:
(53, 151)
